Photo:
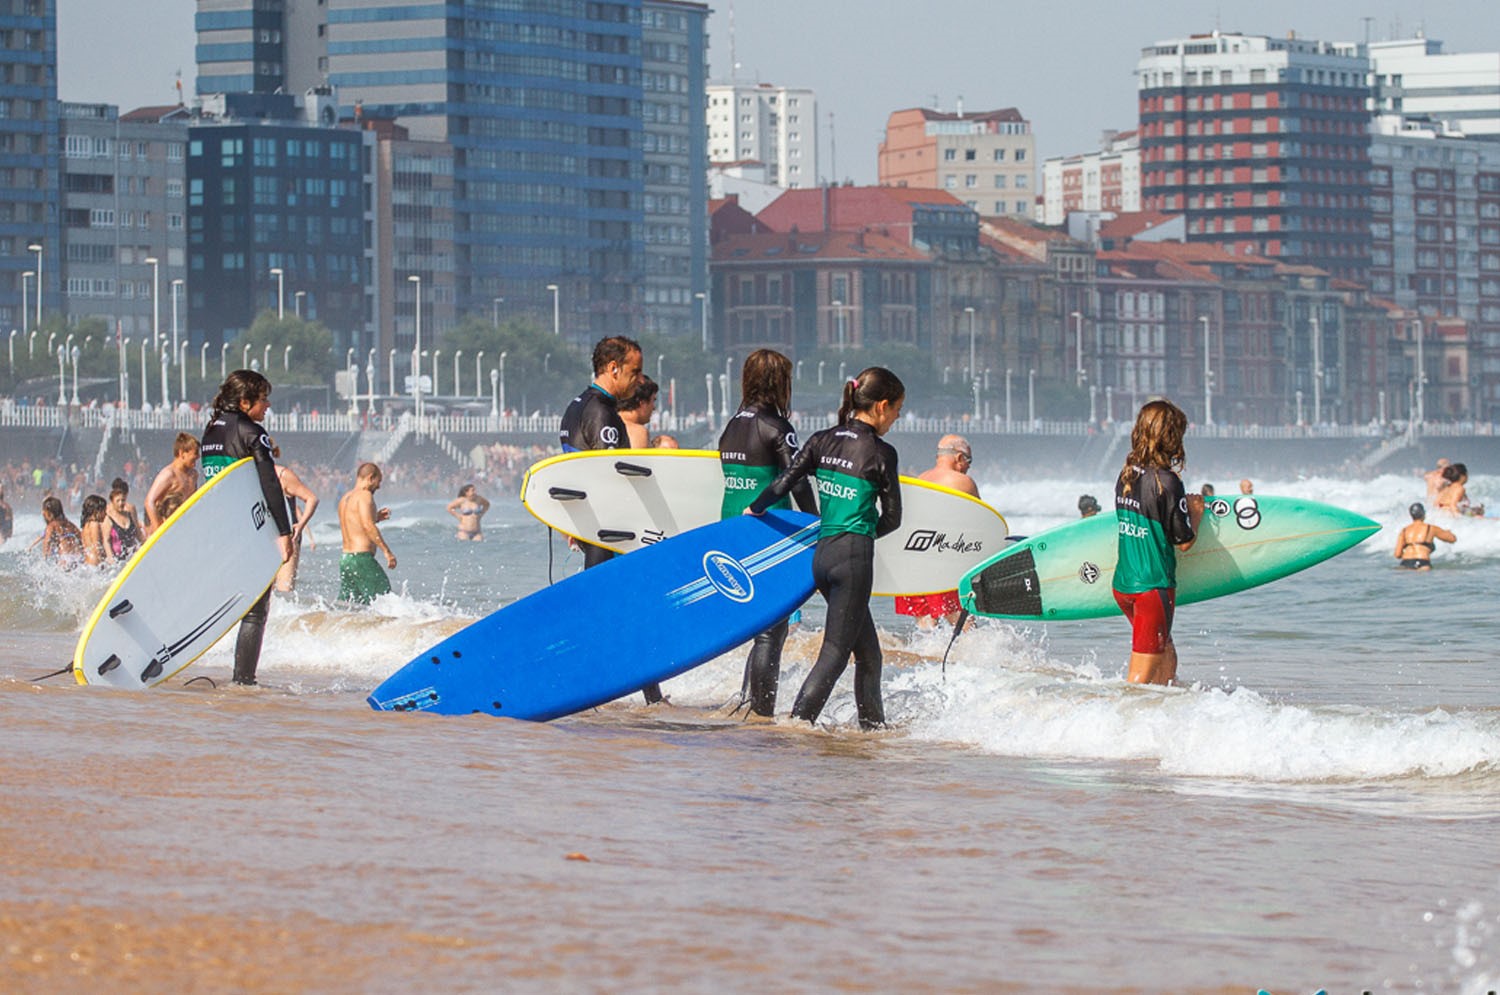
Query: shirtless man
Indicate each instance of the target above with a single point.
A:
(1434, 479)
(179, 477)
(951, 470)
(360, 577)
(636, 411)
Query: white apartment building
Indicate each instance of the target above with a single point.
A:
(1415, 78)
(1106, 180)
(773, 125)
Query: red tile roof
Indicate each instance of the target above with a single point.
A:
(849, 208)
(823, 245)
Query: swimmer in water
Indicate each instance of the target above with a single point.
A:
(469, 507)
(1414, 546)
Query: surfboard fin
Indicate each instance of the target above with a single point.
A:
(108, 665)
(631, 469)
(566, 494)
(153, 670)
(124, 607)
(615, 535)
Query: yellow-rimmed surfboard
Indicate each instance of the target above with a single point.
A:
(624, 499)
(192, 581)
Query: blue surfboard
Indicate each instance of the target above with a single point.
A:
(609, 631)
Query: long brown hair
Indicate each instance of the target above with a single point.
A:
(873, 385)
(241, 385)
(766, 380)
(1156, 439)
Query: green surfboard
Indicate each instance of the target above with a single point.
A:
(1067, 572)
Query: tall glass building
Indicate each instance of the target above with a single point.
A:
(29, 224)
(555, 109)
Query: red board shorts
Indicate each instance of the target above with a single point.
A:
(1150, 615)
(928, 605)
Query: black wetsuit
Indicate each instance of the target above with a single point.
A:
(756, 446)
(854, 470)
(592, 421)
(229, 437)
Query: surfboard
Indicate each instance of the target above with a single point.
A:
(1066, 572)
(192, 581)
(606, 632)
(627, 499)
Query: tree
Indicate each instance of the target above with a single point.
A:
(542, 372)
(311, 359)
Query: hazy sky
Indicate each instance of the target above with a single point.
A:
(866, 58)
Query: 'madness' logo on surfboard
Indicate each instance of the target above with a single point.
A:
(728, 576)
(933, 541)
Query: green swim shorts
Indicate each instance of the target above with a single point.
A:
(361, 578)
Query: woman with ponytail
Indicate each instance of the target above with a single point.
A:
(1156, 518)
(859, 496)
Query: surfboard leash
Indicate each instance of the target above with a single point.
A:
(958, 628)
(55, 673)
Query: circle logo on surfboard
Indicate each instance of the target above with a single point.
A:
(1246, 512)
(1089, 572)
(728, 576)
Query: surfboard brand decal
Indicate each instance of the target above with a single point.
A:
(165, 653)
(414, 702)
(756, 563)
(1089, 572)
(1246, 513)
(1220, 508)
(258, 515)
(728, 576)
(933, 541)
(652, 536)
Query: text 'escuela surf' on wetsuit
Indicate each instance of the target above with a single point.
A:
(853, 470)
(755, 447)
(592, 421)
(1153, 521)
(229, 437)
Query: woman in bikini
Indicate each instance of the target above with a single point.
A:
(122, 527)
(468, 508)
(1414, 546)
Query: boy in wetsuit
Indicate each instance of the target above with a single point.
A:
(233, 433)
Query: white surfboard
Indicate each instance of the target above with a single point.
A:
(623, 499)
(192, 581)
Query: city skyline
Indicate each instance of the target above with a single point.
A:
(99, 59)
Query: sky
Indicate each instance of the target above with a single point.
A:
(1071, 78)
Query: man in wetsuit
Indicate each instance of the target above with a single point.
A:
(233, 433)
(592, 421)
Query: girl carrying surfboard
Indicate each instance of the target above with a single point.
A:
(859, 497)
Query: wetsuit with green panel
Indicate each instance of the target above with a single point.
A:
(1152, 515)
(755, 447)
(856, 476)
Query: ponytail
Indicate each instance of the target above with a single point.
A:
(872, 386)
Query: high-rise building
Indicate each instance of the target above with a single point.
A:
(1263, 143)
(29, 233)
(543, 103)
(1415, 78)
(1106, 180)
(124, 203)
(273, 185)
(987, 160)
(776, 126)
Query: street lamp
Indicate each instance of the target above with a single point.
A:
(245, 356)
(1008, 372)
(703, 314)
(1317, 371)
(265, 357)
(145, 380)
(390, 369)
(13, 350)
(458, 387)
(502, 385)
(182, 373)
(62, 395)
(26, 279)
(37, 248)
(166, 380)
(973, 362)
(223, 360)
(556, 314)
(416, 352)
(31, 345)
(821, 364)
(280, 276)
(202, 361)
(176, 287)
(437, 354)
(1031, 396)
(297, 306)
(496, 302)
(1078, 344)
(659, 357)
(286, 358)
(478, 380)
(494, 402)
(1208, 376)
(155, 265)
(124, 354)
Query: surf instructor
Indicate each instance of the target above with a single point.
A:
(592, 421)
(234, 432)
(1156, 519)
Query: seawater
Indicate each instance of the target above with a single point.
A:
(1317, 809)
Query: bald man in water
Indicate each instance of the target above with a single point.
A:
(951, 470)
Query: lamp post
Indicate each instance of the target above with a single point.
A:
(62, 394)
(973, 367)
(1008, 372)
(494, 397)
(370, 365)
(155, 265)
(437, 354)
(1208, 375)
(1109, 405)
(1421, 377)
(1031, 396)
(175, 289)
(76, 353)
(145, 380)
(1078, 346)
(416, 352)
(556, 313)
(502, 384)
(370, 376)
(478, 381)
(297, 306)
(280, 275)
(659, 357)
(124, 354)
(821, 364)
(26, 279)
(286, 358)
(496, 304)
(182, 373)
(40, 286)
(391, 371)
(223, 359)
(13, 350)
(1317, 370)
(1299, 408)
(30, 345)
(708, 380)
(838, 318)
(166, 379)
(703, 316)
(245, 356)
(265, 357)
(458, 388)
(51, 337)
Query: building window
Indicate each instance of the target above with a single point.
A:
(950, 154)
(999, 155)
(970, 154)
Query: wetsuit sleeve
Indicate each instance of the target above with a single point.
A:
(785, 448)
(1175, 521)
(890, 494)
(270, 484)
(802, 465)
(595, 426)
